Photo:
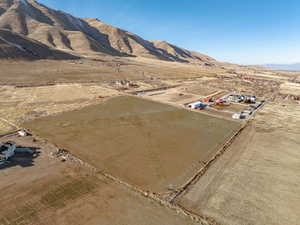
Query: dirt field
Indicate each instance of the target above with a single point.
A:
(234, 108)
(151, 145)
(171, 96)
(290, 88)
(5, 128)
(18, 104)
(46, 191)
(202, 90)
(96, 70)
(257, 179)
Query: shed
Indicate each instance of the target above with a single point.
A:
(195, 105)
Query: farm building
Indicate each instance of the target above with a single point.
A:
(197, 105)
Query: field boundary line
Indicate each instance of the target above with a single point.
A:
(202, 220)
(9, 123)
(8, 134)
(203, 170)
(170, 205)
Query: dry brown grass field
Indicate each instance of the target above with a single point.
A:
(256, 181)
(148, 145)
(47, 191)
(114, 140)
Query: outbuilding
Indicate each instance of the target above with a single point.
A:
(195, 105)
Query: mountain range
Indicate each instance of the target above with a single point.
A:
(60, 31)
(290, 67)
(13, 45)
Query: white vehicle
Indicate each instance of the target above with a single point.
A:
(236, 116)
(22, 133)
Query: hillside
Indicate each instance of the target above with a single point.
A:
(13, 45)
(180, 54)
(53, 28)
(63, 31)
(131, 44)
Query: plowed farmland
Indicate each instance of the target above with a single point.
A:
(153, 146)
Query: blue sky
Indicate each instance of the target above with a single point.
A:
(238, 31)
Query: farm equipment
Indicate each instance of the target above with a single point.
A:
(242, 99)
(250, 100)
(222, 102)
(209, 99)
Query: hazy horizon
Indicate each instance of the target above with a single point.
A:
(250, 33)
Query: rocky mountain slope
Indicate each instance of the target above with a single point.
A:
(13, 45)
(180, 54)
(63, 31)
(53, 28)
(131, 44)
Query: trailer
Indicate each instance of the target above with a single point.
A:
(197, 105)
(194, 105)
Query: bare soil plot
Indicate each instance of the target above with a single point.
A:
(174, 95)
(257, 180)
(99, 69)
(154, 146)
(5, 128)
(218, 113)
(290, 88)
(50, 192)
(202, 89)
(85, 200)
(219, 94)
(17, 104)
(235, 108)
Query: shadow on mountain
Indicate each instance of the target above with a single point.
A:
(15, 46)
